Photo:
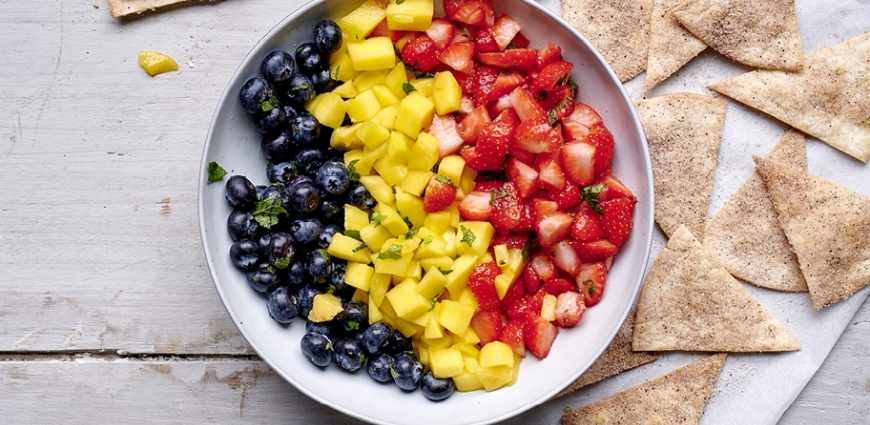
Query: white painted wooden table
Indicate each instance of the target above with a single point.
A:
(107, 310)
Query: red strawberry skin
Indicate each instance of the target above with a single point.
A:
(421, 53)
(539, 334)
(475, 206)
(487, 325)
(482, 284)
(440, 193)
(512, 335)
(616, 219)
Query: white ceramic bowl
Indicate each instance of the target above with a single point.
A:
(234, 144)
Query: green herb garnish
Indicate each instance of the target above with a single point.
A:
(266, 211)
(408, 88)
(394, 252)
(467, 236)
(354, 234)
(352, 174)
(215, 172)
(377, 218)
(590, 195)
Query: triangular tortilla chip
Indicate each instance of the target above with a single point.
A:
(678, 397)
(745, 234)
(759, 33)
(121, 8)
(684, 133)
(616, 358)
(619, 30)
(828, 99)
(828, 227)
(670, 45)
(691, 303)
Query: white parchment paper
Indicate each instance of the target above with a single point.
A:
(753, 388)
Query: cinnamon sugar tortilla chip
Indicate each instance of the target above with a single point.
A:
(689, 302)
(759, 33)
(619, 29)
(616, 358)
(828, 227)
(745, 234)
(670, 45)
(828, 99)
(684, 133)
(678, 397)
(121, 8)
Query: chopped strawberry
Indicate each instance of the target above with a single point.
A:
(565, 258)
(481, 160)
(524, 177)
(482, 284)
(549, 54)
(552, 75)
(459, 56)
(529, 304)
(512, 335)
(567, 198)
(543, 208)
(538, 270)
(550, 172)
(554, 228)
(505, 83)
(584, 114)
(420, 53)
(487, 325)
(485, 41)
(527, 221)
(441, 32)
(526, 106)
(475, 206)
(573, 130)
(488, 186)
(520, 41)
(382, 30)
(558, 286)
(577, 159)
(616, 219)
(538, 335)
(514, 293)
(595, 250)
(513, 240)
(591, 281)
(482, 80)
(570, 307)
(560, 103)
(521, 59)
(587, 225)
(537, 136)
(473, 12)
(492, 143)
(449, 140)
(506, 208)
(471, 126)
(505, 29)
(602, 139)
(440, 193)
(613, 188)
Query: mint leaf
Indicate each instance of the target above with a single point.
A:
(400, 1)
(266, 211)
(590, 195)
(408, 88)
(377, 218)
(354, 234)
(467, 236)
(215, 172)
(394, 252)
(429, 239)
(497, 194)
(270, 104)
(445, 272)
(352, 174)
(411, 233)
(282, 263)
(323, 253)
(444, 179)
(361, 247)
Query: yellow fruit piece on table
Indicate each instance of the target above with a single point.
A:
(362, 20)
(423, 86)
(341, 66)
(354, 218)
(372, 134)
(378, 188)
(424, 153)
(391, 220)
(454, 316)
(329, 109)
(324, 308)
(156, 62)
(385, 96)
(438, 222)
(396, 79)
(494, 378)
(347, 90)
(378, 288)
(410, 206)
(432, 283)
(548, 308)
(348, 248)
(439, 263)
(410, 15)
(416, 181)
(502, 284)
(392, 172)
(415, 113)
(432, 246)
(372, 54)
(495, 354)
(375, 314)
(398, 147)
(370, 155)
(446, 362)
(374, 236)
(386, 117)
(473, 237)
(363, 107)
(368, 79)
(446, 93)
(359, 275)
(452, 166)
(433, 329)
(405, 300)
(344, 138)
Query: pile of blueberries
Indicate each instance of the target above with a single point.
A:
(281, 230)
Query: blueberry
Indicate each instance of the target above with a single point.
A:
(282, 251)
(302, 178)
(310, 160)
(349, 354)
(255, 93)
(240, 192)
(310, 58)
(290, 111)
(326, 235)
(244, 254)
(436, 389)
(273, 191)
(327, 36)
(331, 209)
(263, 278)
(322, 80)
(354, 317)
(319, 265)
(332, 177)
(263, 239)
(277, 66)
(304, 128)
(242, 225)
(298, 90)
(379, 366)
(281, 172)
(358, 196)
(305, 299)
(269, 120)
(375, 336)
(397, 343)
(281, 303)
(407, 371)
(295, 275)
(306, 231)
(303, 198)
(319, 328)
(317, 349)
(278, 144)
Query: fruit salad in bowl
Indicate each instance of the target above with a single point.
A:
(432, 212)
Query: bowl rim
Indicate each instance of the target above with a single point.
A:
(203, 183)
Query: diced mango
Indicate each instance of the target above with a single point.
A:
(438, 222)
(494, 378)
(371, 155)
(372, 134)
(156, 62)
(424, 153)
(467, 381)
(423, 86)
(362, 20)
(363, 107)
(432, 283)
(442, 263)
(375, 314)
(329, 109)
(454, 316)
(396, 80)
(360, 296)
(392, 172)
(433, 329)
(346, 90)
(548, 308)
(324, 308)
(446, 362)
(367, 80)
(452, 166)
(473, 237)
(386, 117)
(415, 113)
(405, 300)
(344, 138)
(378, 188)
(411, 207)
(359, 275)
(446, 93)
(416, 181)
(372, 54)
(393, 266)
(341, 67)
(384, 95)
(410, 15)
(378, 288)
(374, 235)
(348, 248)
(354, 218)
(398, 147)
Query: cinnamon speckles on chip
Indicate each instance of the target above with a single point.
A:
(670, 44)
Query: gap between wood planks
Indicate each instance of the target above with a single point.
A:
(119, 355)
